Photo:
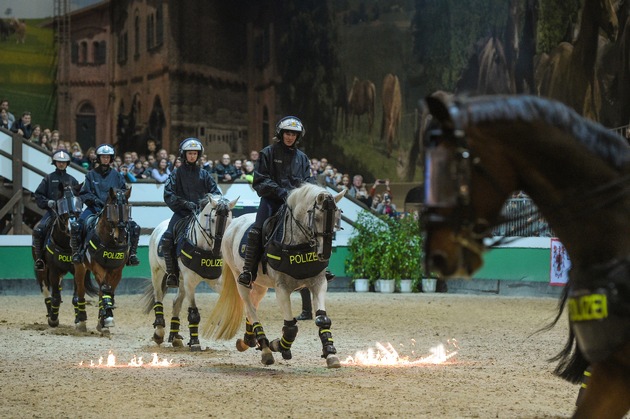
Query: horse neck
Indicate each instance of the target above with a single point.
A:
(60, 234)
(293, 227)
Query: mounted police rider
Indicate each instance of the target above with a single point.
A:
(94, 194)
(281, 168)
(185, 188)
(48, 192)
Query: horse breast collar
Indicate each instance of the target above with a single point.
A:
(599, 310)
(203, 262)
(110, 257)
(61, 257)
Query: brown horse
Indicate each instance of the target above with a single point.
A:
(570, 72)
(578, 173)
(106, 256)
(20, 30)
(392, 103)
(361, 101)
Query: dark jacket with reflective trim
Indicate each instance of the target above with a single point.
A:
(95, 190)
(281, 169)
(50, 188)
(188, 183)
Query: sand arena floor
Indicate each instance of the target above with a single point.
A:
(500, 371)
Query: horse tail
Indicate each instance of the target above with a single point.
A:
(91, 287)
(571, 362)
(226, 317)
(147, 299)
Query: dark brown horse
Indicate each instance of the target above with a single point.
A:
(361, 101)
(58, 259)
(578, 174)
(392, 104)
(107, 244)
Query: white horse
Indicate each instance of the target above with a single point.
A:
(297, 255)
(200, 260)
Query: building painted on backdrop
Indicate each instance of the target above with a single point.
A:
(130, 70)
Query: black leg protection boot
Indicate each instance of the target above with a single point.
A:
(75, 241)
(170, 260)
(252, 258)
(133, 245)
(307, 308)
(38, 239)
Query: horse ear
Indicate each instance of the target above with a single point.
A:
(112, 194)
(233, 202)
(439, 109)
(340, 195)
(77, 188)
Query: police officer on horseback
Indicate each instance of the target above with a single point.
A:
(185, 188)
(49, 190)
(94, 194)
(281, 168)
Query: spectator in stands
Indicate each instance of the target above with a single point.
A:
(248, 172)
(345, 183)
(90, 156)
(387, 207)
(225, 170)
(75, 146)
(151, 147)
(128, 160)
(323, 162)
(161, 154)
(55, 136)
(117, 163)
(5, 122)
(314, 167)
(138, 170)
(23, 127)
(36, 137)
(178, 162)
(162, 172)
(127, 174)
(376, 200)
(238, 165)
(358, 191)
(44, 141)
(151, 160)
(78, 158)
(254, 156)
(146, 174)
(171, 161)
(326, 177)
(378, 182)
(4, 104)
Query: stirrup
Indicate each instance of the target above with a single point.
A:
(305, 315)
(76, 258)
(39, 265)
(329, 276)
(172, 281)
(246, 279)
(133, 260)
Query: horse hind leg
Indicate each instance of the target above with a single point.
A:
(159, 324)
(55, 303)
(174, 338)
(283, 345)
(249, 339)
(193, 327)
(325, 335)
(263, 343)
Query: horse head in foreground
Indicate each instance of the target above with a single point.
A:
(477, 153)
(298, 245)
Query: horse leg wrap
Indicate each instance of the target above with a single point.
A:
(81, 314)
(174, 332)
(158, 308)
(325, 335)
(289, 332)
(253, 253)
(54, 307)
(193, 325)
(249, 338)
(106, 302)
(261, 338)
(48, 302)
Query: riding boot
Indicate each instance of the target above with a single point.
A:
(38, 238)
(133, 247)
(170, 260)
(253, 254)
(329, 276)
(75, 241)
(307, 308)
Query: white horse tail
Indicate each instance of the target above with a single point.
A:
(227, 316)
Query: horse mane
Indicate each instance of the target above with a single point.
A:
(606, 144)
(305, 194)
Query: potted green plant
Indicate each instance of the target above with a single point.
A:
(401, 260)
(365, 249)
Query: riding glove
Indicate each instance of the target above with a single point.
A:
(191, 206)
(51, 204)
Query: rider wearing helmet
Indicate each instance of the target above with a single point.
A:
(281, 168)
(94, 194)
(49, 190)
(185, 188)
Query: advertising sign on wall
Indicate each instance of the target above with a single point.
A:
(560, 264)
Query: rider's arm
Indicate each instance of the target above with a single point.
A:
(174, 202)
(263, 184)
(41, 194)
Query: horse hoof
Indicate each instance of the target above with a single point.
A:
(274, 345)
(158, 339)
(267, 357)
(81, 327)
(195, 348)
(333, 362)
(241, 346)
(53, 323)
(178, 343)
(108, 322)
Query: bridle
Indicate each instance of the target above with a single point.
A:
(221, 214)
(118, 215)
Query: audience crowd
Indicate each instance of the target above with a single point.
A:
(155, 164)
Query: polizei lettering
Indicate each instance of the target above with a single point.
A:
(303, 258)
(113, 255)
(211, 263)
(64, 258)
(588, 307)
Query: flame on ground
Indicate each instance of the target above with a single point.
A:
(136, 362)
(387, 356)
